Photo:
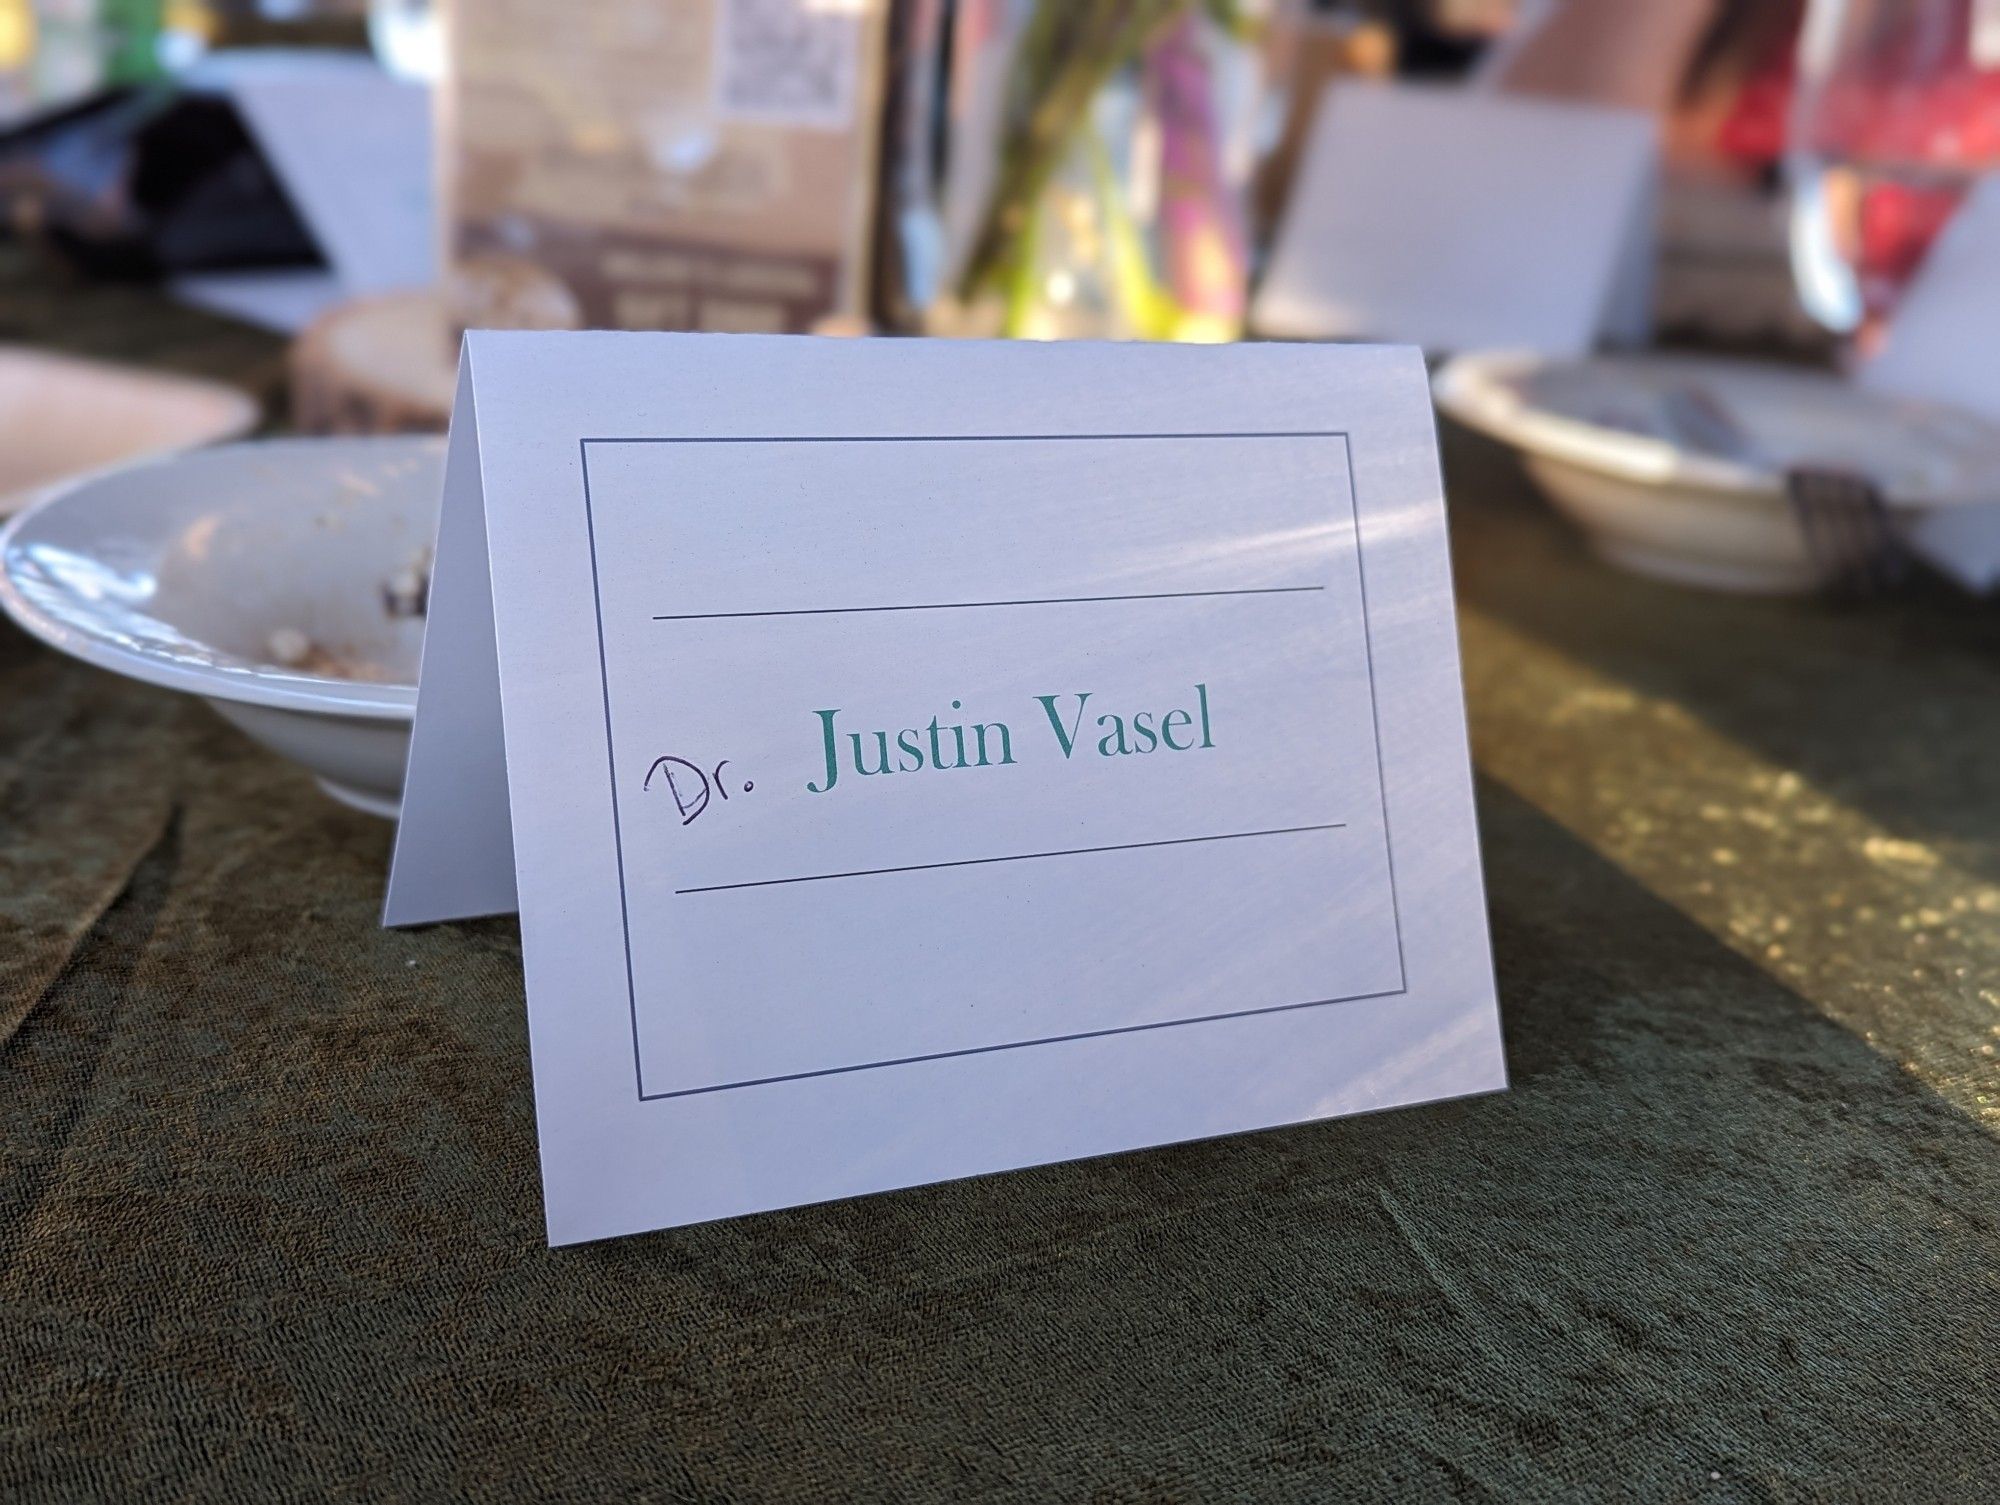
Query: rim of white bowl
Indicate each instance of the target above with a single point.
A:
(1476, 389)
(243, 680)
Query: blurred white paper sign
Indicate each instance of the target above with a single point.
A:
(1941, 348)
(353, 148)
(1467, 220)
(925, 758)
(1946, 329)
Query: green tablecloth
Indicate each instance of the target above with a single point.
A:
(269, 1224)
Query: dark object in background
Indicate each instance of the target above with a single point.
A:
(148, 182)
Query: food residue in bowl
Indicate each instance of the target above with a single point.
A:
(407, 593)
(290, 648)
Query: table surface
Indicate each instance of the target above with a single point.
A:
(269, 1223)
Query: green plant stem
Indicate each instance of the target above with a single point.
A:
(1070, 49)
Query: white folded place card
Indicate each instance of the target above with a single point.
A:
(918, 758)
(1940, 349)
(352, 148)
(1464, 220)
(1942, 334)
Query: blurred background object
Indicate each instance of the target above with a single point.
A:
(407, 36)
(1895, 116)
(144, 181)
(662, 164)
(1738, 475)
(1086, 170)
(1725, 276)
(1455, 218)
(60, 416)
(353, 149)
(1629, 55)
(1779, 179)
(385, 364)
(1321, 48)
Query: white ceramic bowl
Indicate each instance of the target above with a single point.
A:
(180, 572)
(1601, 437)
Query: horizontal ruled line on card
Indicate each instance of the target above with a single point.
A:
(987, 1050)
(953, 438)
(923, 867)
(825, 611)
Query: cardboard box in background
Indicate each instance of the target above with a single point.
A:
(661, 164)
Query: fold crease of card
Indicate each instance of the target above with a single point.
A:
(917, 759)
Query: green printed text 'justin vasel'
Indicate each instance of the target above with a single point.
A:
(989, 744)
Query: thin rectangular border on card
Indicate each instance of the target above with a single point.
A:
(617, 833)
